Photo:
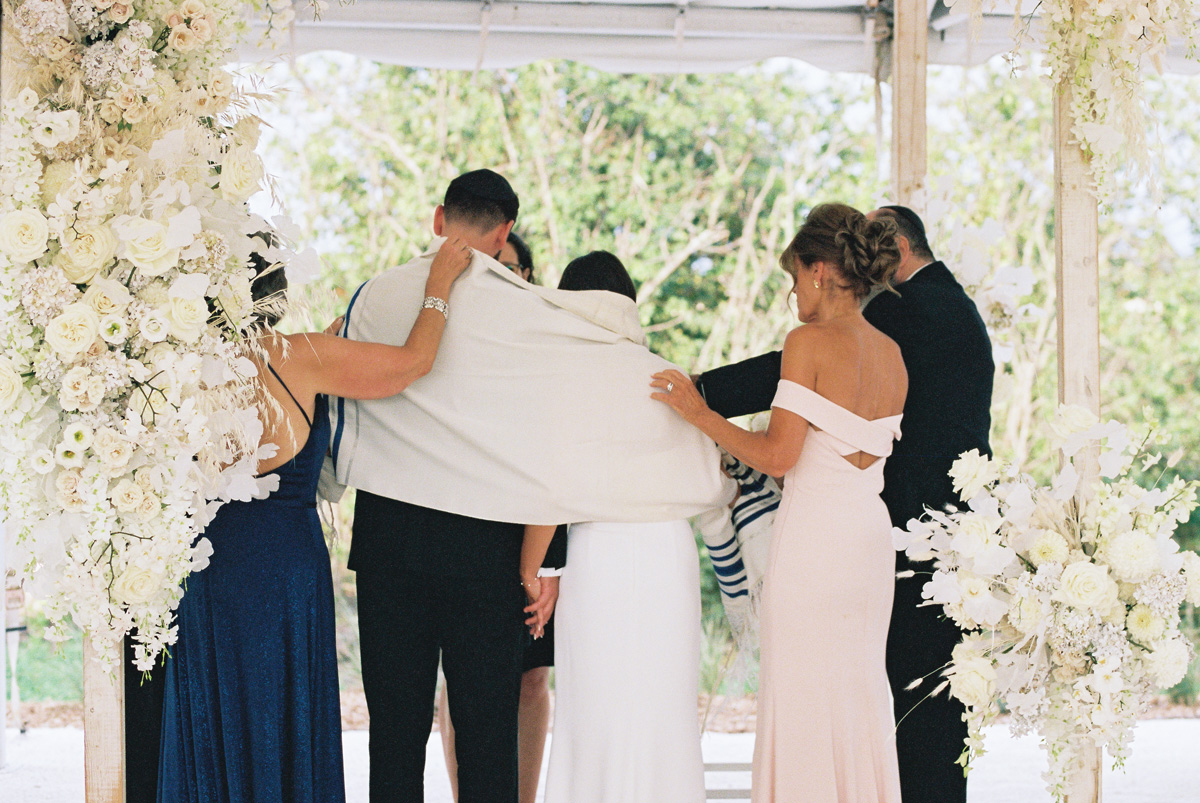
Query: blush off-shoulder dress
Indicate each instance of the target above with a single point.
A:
(825, 726)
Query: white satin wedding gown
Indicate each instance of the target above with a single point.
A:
(627, 667)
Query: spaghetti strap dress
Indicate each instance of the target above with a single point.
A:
(252, 711)
(825, 731)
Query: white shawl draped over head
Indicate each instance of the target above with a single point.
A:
(537, 410)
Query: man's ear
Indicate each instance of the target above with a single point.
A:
(905, 248)
(500, 237)
(439, 220)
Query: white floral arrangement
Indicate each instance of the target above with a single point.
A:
(1098, 48)
(127, 408)
(1069, 595)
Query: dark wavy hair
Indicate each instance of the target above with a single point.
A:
(598, 270)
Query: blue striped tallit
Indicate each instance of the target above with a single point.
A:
(737, 541)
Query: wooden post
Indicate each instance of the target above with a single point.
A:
(103, 729)
(1077, 249)
(910, 57)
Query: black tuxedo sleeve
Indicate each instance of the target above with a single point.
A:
(556, 553)
(742, 388)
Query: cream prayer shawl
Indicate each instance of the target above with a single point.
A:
(537, 409)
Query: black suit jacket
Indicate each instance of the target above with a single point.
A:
(399, 536)
(948, 355)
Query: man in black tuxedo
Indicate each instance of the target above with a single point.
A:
(948, 355)
(435, 583)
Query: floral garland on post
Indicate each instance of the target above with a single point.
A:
(1097, 48)
(127, 407)
(1071, 609)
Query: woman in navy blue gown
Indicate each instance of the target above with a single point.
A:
(252, 712)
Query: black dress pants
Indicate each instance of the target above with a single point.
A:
(930, 732)
(405, 620)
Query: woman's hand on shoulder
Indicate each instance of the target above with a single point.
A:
(451, 260)
(678, 392)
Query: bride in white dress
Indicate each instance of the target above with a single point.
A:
(627, 646)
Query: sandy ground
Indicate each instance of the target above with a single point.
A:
(45, 765)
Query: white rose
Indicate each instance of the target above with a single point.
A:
(154, 326)
(73, 331)
(241, 172)
(972, 472)
(127, 496)
(68, 484)
(120, 12)
(187, 317)
(24, 234)
(11, 384)
(1144, 625)
(220, 83)
(88, 254)
(151, 505)
(1132, 555)
(57, 49)
(107, 297)
(74, 388)
(1167, 663)
(112, 450)
(202, 28)
(94, 393)
(1050, 547)
(146, 246)
(1087, 585)
(973, 681)
(25, 101)
(55, 179)
(137, 585)
(1191, 572)
(1071, 419)
(182, 39)
(974, 534)
(147, 402)
(191, 9)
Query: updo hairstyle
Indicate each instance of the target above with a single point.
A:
(864, 251)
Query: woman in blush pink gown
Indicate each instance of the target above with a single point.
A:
(825, 727)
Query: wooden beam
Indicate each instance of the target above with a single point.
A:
(1077, 250)
(103, 729)
(910, 59)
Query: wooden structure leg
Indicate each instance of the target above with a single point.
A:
(1077, 249)
(103, 730)
(910, 58)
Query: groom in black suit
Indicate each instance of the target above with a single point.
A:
(948, 355)
(436, 583)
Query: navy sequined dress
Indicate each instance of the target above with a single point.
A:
(252, 712)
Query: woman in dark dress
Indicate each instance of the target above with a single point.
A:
(252, 712)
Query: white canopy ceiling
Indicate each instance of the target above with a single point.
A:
(644, 36)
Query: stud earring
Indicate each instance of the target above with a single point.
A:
(816, 284)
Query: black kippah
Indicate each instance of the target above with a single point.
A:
(910, 217)
(486, 184)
